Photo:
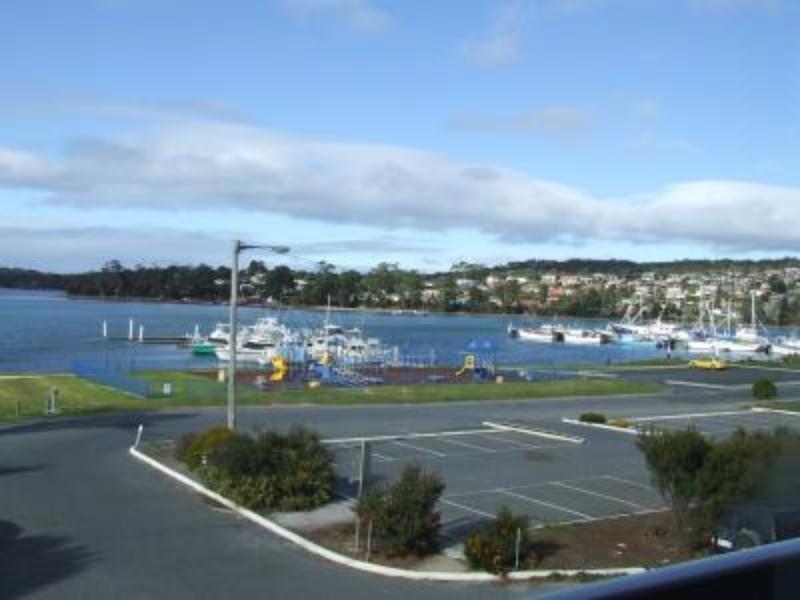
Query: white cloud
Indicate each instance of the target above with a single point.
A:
(214, 167)
(360, 15)
(565, 123)
(499, 46)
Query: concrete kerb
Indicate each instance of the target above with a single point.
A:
(628, 430)
(360, 565)
(550, 435)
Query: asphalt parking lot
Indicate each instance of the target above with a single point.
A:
(735, 375)
(553, 481)
(721, 423)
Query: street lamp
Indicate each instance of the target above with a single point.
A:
(238, 247)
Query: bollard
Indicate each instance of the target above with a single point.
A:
(50, 402)
(369, 540)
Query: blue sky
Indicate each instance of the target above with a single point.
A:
(414, 132)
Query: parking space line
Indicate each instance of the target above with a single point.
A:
(547, 504)
(629, 482)
(467, 445)
(511, 442)
(599, 495)
(707, 386)
(420, 449)
(466, 508)
(407, 436)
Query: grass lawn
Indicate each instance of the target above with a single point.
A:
(80, 397)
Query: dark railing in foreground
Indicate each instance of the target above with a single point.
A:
(769, 572)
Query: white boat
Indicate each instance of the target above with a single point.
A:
(586, 337)
(543, 333)
(256, 343)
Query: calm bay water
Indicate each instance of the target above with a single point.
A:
(46, 332)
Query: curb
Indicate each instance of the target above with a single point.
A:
(360, 565)
(629, 431)
(551, 435)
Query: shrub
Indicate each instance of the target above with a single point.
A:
(194, 448)
(402, 514)
(494, 548)
(182, 446)
(764, 389)
(591, 417)
(272, 471)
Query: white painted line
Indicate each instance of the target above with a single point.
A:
(721, 413)
(543, 503)
(420, 449)
(406, 436)
(782, 369)
(536, 432)
(606, 518)
(777, 411)
(382, 457)
(515, 443)
(467, 508)
(628, 430)
(708, 386)
(335, 557)
(629, 482)
(597, 374)
(466, 445)
(599, 495)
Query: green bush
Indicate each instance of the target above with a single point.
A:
(194, 448)
(494, 548)
(272, 471)
(402, 514)
(764, 389)
(182, 446)
(592, 417)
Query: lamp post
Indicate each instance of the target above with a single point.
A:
(238, 247)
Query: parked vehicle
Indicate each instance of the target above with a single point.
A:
(750, 525)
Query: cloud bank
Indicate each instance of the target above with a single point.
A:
(217, 166)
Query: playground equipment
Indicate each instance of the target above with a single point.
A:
(479, 360)
(279, 369)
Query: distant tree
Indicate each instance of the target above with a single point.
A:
(777, 285)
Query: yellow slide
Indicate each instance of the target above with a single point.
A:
(279, 369)
(469, 365)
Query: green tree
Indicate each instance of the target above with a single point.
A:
(675, 460)
(403, 513)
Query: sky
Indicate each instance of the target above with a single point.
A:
(417, 132)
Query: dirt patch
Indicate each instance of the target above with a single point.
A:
(643, 540)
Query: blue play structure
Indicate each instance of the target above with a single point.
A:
(479, 360)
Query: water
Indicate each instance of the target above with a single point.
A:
(46, 332)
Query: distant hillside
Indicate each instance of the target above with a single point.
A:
(579, 266)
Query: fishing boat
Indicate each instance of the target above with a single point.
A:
(543, 333)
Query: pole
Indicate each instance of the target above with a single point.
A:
(519, 541)
(141, 334)
(369, 541)
(232, 336)
(105, 329)
(130, 329)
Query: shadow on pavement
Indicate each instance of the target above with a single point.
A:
(19, 470)
(126, 421)
(35, 561)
